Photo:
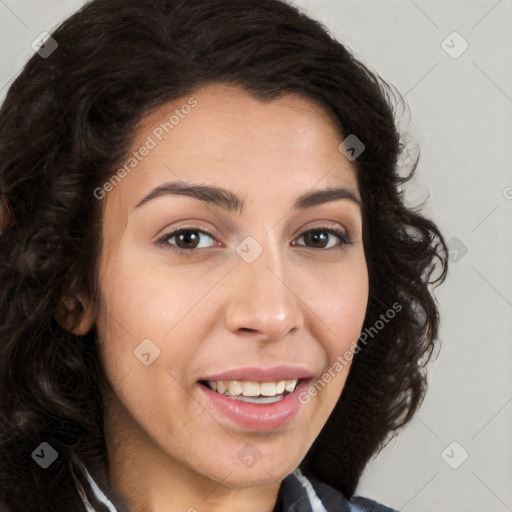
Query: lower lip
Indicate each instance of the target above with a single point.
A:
(256, 416)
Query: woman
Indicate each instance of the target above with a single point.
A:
(213, 295)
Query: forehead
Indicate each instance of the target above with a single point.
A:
(228, 103)
(234, 140)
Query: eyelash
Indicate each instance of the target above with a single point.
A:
(164, 240)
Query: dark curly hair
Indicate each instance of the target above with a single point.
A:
(67, 123)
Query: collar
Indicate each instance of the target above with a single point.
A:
(297, 493)
(301, 494)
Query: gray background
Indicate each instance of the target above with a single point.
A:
(460, 114)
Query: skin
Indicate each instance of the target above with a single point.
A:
(211, 311)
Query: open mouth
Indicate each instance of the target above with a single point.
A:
(252, 391)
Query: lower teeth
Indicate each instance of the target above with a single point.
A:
(258, 399)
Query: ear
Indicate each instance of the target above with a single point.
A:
(75, 314)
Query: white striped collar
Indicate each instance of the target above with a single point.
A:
(314, 500)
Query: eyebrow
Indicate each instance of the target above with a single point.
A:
(229, 201)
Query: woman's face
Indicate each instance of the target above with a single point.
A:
(255, 289)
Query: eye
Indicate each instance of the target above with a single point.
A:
(185, 239)
(319, 238)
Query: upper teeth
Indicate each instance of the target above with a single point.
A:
(251, 388)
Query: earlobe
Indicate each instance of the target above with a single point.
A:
(75, 315)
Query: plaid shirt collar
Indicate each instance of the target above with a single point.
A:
(300, 494)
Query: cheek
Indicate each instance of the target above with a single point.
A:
(143, 302)
(147, 299)
(340, 303)
(339, 306)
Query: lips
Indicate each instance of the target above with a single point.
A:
(253, 413)
(256, 400)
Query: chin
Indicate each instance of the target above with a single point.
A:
(258, 474)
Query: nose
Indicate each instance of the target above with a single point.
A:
(261, 297)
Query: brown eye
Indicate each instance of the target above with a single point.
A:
(189, 239)
(185, 239)
(317, 238)
(323, 238)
